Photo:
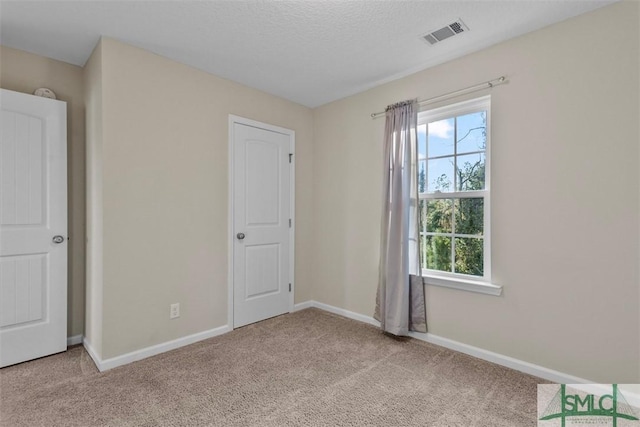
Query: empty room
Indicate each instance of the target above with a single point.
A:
(320, 213)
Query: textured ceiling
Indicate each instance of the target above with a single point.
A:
(309, 51)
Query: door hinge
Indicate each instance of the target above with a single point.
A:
(290, 157)
(289, 287)
(289, 222)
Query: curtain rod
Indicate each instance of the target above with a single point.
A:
(488, 84)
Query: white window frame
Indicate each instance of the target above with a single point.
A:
(458, 280)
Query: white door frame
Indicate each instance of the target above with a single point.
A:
(292, 186)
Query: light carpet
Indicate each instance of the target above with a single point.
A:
(309, 368)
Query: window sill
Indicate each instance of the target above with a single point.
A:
(463, 284)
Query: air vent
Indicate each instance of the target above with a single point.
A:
(443, 33)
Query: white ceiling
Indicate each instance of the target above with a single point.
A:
(308, 51)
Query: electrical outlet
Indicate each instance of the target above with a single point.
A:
(174, 310)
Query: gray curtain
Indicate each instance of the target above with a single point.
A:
(400, 303)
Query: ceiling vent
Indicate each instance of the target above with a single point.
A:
(443, 33)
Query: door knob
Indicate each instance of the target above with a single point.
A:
(240, 236)
(58, 239)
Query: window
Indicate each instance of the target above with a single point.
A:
(453, 183)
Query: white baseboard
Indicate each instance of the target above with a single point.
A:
(335, 310)
(303, 305)
(74, 340)
(114, 362)
(92, 352)
(499, 359)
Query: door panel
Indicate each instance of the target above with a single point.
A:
(262, 168)
(23, 289)
(261, 198)
(22, 188)
(262, 270)
(33, 209)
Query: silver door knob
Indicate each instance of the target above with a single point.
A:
(58, 239)
(240, 236)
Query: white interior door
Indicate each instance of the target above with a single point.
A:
(262, 233)
(33, 227)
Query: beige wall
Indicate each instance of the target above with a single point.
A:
(565, 190)
(24, 72)
(164, 188)
(94, 117)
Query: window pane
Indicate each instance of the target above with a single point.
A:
(422, 216)
(471, 132)
(422, 176)
(441, 138)
(439, 215)
(422, 141)
(469, 216)
(438, 253)
(440, 175)
(470, 172)
(469, 256)
(423, 251)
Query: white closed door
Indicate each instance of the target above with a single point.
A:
(33, 227)
(262, 233)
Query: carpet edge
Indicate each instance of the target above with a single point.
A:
(143, 353)
(480, 353)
